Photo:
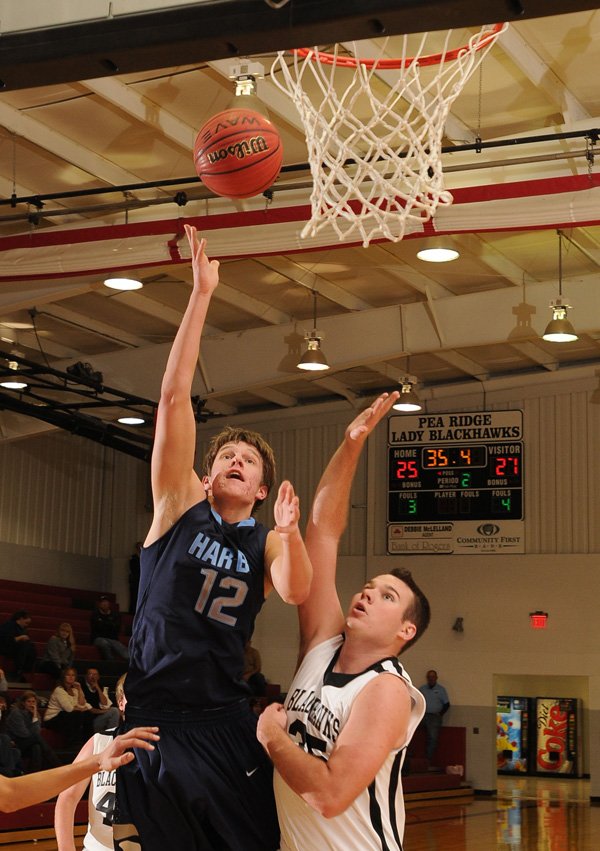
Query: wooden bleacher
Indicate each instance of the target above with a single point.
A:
(50, 606)
(423, 785)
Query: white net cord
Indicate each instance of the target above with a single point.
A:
(378, 175)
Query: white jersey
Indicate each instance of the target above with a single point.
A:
(318, 705)
(101, 803)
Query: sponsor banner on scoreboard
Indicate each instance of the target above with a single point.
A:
(466, 537)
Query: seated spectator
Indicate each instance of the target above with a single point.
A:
(24, 728)
(68, 712)
(3, 683)
(101, 796)
(252, 671)
(60, 651)
(16, 644)
(10, 755)
(105, 630)
(105, 714)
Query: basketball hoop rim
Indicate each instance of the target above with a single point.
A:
(391, 64)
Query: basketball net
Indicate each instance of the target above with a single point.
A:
(380, 174)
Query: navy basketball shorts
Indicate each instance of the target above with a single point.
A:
(207, 786)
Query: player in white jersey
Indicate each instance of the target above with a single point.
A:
(101, 799)
(339, 743)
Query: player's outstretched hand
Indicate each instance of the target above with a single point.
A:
(362, 425)
(206, 272)
(272, 719)
(118, 752)
(286, 509)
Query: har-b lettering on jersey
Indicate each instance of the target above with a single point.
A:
(201, 588)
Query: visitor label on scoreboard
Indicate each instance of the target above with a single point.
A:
(455, 483)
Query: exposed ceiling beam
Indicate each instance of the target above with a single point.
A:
(336, 386)
(284, 400)
(15, 297)
(467, 321)
(149, 307)
(126, 98)
(241, 301)
(465, 364)
(479, 247)
(536, 354)
(93, 326)
(419, 281)
(542, 76)
(38, 133)
(303, 277)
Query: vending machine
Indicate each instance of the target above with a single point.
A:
(557, 736)
(512, 735)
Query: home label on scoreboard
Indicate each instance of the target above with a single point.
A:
(455, 483)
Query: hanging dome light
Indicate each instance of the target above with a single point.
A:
(408, 401)
(559, 329)
(313, 358)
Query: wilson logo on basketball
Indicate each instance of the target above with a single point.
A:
(245, 148)
(238, 153)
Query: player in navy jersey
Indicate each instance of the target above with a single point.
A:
(206, 569)
(339, 743)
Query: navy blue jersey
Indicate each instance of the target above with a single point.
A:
(201, 588)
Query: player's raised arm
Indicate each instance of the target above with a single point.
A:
(19, 792)
(321, 615)
(66, 804)
(288, 565)
(175, 485)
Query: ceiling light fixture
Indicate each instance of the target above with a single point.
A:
(313, 358)
(123, 284)
(131, 420)
(408, 401)
(559, 329)
(12, 384)
(437, 255)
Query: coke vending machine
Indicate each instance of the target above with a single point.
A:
(557, 741)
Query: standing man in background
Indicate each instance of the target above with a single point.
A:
(436, 706)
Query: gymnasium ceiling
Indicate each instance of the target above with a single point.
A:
(67, 127)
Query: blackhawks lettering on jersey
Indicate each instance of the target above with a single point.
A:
(318, 706)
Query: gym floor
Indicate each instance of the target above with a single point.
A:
(527, 814)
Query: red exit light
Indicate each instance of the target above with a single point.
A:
(538, 620)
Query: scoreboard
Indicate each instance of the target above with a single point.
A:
(456, 480)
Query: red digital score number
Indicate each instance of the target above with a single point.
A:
(407, 470)
(507, 466)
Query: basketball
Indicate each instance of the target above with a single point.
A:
(238, 153)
